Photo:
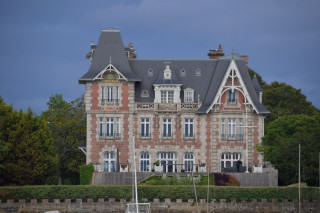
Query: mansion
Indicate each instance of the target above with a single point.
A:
(180, 113)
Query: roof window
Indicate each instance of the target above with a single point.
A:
(182, 72)
(150, 72)
(144, 93)
(198, 72)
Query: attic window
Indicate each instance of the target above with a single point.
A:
(198, 72)
(145, 93)
(188, 95)
(182, 72)
(150, 72)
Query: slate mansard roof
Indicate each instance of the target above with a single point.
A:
(109, 49)
(204, 76)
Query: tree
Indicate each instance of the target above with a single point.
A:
(67, 122)
(282, 99)
(280, 147)
(31, 159)
(252, 73)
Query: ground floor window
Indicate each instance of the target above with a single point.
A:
(109, 162)
(228, 160)
(168, 161)
(144, 162)
(188, 161)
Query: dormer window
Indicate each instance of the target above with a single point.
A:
(144, 93)
(198, 72)
(182, 72)
(167, 96)
(232, 97)
(188, 95)
(150, 72)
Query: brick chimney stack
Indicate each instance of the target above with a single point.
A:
(215, 54)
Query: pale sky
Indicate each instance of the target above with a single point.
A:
(43, 43)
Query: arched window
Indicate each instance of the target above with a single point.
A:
(109, 162)
(188, 161)
(232, 97)
(229, 159)
(168, 161)
(144, 162)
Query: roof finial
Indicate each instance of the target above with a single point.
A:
(232, 52)
(110, 60)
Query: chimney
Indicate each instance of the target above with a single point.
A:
(215, 54)
(131, 51)
(245, 58)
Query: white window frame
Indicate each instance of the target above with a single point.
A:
(167, 96)
(102, 94)
(232, 97)
(223, 128)
(101, 127)
(229, 158)
(232, 128)
(109, 127)
(109, 158)
(188, 95)
(117, 95)
(165, 158)
(145, 128)
(118, 128)
(145, 162)
(167, 128)
(188, 161)
(189, 128)
(240, 127)
(109, 94)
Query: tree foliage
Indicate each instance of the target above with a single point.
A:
(252, 73)
(282, 99)
(280, 147)
(67, 122)
(31, 159)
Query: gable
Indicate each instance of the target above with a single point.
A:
(110, 74)
(237, 79)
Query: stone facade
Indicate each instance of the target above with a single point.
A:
(172, 119)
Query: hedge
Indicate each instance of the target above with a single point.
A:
(86, 174)
(160, 192)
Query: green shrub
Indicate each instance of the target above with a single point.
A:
(86, 174)
(173, 192)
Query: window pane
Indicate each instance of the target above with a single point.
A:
(106, 166)
(112, 166)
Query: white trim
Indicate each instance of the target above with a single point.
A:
(110, 68)
(222, 89)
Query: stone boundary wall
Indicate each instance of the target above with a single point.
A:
(110, 205)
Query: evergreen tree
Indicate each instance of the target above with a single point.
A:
(31, 159)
